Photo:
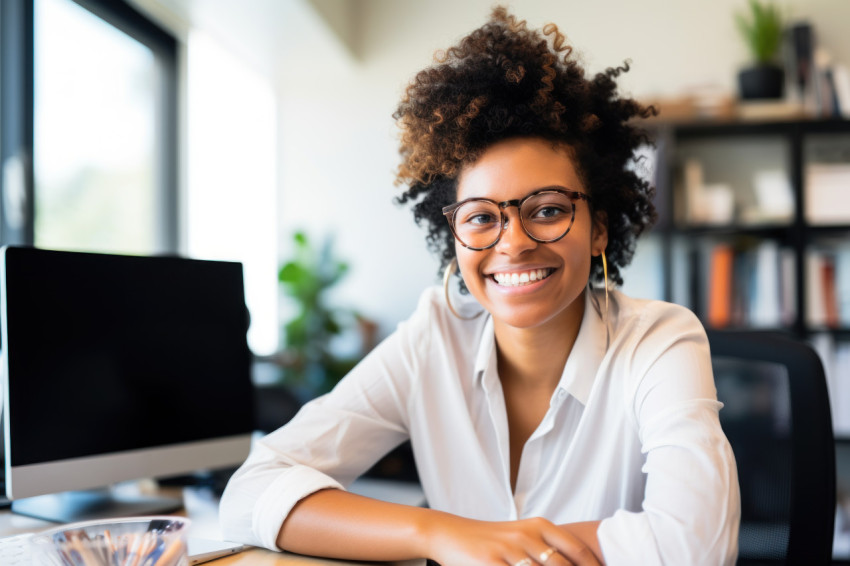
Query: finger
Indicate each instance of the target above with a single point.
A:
(550, 556)
(556, 559)
(574, 550)
(520, 560)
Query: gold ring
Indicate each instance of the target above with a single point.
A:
(546, 554)
(524, 562)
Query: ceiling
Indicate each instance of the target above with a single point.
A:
(278, 38)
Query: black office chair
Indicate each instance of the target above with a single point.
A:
(777, 419)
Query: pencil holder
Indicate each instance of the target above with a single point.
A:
(135, 541)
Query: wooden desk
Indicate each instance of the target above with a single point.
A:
(263, 557)
(201, 507)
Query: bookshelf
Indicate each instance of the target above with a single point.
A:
(754, 232)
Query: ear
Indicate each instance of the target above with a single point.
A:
(599, 233)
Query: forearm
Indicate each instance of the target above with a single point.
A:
(338, 524)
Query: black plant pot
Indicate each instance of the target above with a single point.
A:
(761, 81)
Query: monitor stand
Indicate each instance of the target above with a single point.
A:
(73, 506)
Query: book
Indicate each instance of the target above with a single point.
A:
(842, 283)
(787, 287)
(720, 286)
(815, 311)
(765, 304)
(828, 295)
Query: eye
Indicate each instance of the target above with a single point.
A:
(480, 219)
(477, 215)
(548, 212)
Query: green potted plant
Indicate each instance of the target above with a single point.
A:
(762, 29)
(309, 366)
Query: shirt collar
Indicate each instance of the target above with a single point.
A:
(588, 350)
(584, 360)
(486, 348)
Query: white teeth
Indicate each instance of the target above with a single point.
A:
(524, 278)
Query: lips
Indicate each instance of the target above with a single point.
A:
(520, 278)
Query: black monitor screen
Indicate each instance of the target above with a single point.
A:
(109, 353)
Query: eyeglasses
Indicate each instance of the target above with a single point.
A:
(545, 215)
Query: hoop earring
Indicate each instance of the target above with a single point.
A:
(605, 275)
(451, 268)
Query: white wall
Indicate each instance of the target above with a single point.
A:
(338, 147)
(338, 68)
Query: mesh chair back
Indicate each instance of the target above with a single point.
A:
(776, 416)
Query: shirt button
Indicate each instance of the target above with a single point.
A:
(561, 394)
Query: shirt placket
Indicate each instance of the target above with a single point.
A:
(499, 421)
(528, 475)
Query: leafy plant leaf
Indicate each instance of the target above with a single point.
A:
(761, 30)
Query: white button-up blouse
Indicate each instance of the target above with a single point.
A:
(631, 436)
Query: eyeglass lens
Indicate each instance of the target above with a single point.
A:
(545, 216)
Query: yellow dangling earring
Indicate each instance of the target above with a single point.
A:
(450, 269)
(605, 275)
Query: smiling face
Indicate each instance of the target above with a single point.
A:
(523, 283)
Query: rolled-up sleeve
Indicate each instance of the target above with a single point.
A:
(329, 443)
(691, 508)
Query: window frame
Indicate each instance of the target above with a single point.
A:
(17, 76)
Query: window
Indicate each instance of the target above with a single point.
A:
(89, 130)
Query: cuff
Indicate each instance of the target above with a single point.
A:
(280, 497)
(626, 538)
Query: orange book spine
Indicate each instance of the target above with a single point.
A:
(720, 286)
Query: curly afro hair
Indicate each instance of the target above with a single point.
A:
(502, 81)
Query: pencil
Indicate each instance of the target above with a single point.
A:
(171, 553)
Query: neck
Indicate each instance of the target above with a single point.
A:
(535, 357)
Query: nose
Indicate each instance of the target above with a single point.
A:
(514, 240)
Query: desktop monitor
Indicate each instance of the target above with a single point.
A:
(118, 368)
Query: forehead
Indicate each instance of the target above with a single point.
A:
(513, 168)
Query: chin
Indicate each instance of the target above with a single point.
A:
(518, 317)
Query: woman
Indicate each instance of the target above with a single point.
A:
(556, 423)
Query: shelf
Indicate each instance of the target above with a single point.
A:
(779, 231)
(708, 129)
(828, 230)
(783, 275)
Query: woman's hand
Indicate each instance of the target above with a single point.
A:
(455, 541)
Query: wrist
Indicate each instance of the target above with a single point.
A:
(428, 525)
